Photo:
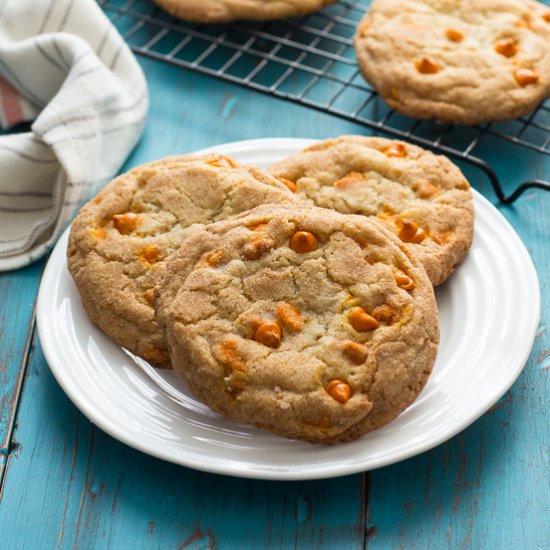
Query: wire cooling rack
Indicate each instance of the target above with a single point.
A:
(310, 60)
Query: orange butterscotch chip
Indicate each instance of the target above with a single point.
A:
(403, 280)
(409, 232)
(352, 177)
(303, 241)
(364, 27)
(221, 162)
(443, 238)
(125, 223)
(289, 316)
(394, 93)
(546, 16)
(386, 216)
(506, 47)
(454, 35)
(522, 24)
(255, 323)
(214, 258)
(427, 65)
(99, 233)
(259, 226)
(396, 150)
(425, 189)
(356, 353)
(384, 314)
(291, 186)
(149, 296)
(361, 321)
(151, 254)
(339, 390)
(257, 247)
(230, 356)
(525, 76)
(269, 334)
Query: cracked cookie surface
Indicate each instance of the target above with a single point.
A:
(220, 11)
(421, 197)
(305, 322)
(460, 62)
(120, 240)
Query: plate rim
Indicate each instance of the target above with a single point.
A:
(246, 470)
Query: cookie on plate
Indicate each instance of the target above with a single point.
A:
(461, 62)
(305, 322)
(221, 11)
(421, 197)
(120, 240)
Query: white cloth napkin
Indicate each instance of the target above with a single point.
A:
(63, 65)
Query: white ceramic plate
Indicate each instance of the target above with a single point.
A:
(489, 312)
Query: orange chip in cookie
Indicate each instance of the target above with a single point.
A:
(288, 342)
(455, 64)
(142, 218)
(415, 194)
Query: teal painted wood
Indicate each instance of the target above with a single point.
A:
(488, 487)
(17, 296)
(69, 485)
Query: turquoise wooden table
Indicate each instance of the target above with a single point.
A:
(66, 484)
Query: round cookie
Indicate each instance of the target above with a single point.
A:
(461, 62)
(305, 322)
(120, 239)
(421, 197)
(221, 11)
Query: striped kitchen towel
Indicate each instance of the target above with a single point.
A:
(64, 67)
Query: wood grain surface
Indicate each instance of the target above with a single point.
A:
(66, 484)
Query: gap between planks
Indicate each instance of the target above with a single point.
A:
(27, 355)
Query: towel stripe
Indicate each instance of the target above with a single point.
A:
(26, 156)
(48, 56)
(66, 15)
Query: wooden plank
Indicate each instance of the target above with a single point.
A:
(17, 296)
(489, 486)
(71, 485)
(486, 488)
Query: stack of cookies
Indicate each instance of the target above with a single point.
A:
(300, 299)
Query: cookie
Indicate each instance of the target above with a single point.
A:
(221, 11)
(421, 197)
(120, 240)
(460, 62)
(303, 321)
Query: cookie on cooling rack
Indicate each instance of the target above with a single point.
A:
(460, 62)
(421, 197)
(221, 11)
(305, 322)
(120, 240)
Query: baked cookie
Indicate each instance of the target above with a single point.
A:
(120, 240)
(421, 197)
(221, 11)
(305, 322)
(462, 62)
